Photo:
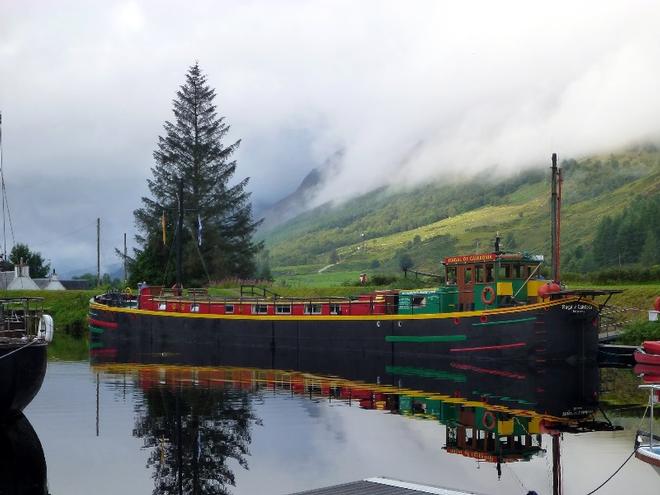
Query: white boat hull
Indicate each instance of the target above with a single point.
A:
(650, 456)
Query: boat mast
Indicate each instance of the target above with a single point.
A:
(2, 178)
(6, 213)
(555, 204)
(556, 465)
(179, 233)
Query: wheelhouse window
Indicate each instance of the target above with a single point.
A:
(479, 273)
(312, 309)
(229, 308)
(194, 308)
(283, 309)
(419, 301)
(451, 275)
(468, 275)
(335, 309)
(259, 309)
(489, 273)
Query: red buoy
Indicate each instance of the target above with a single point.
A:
(549, 288)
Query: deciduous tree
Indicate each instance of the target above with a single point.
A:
(38, 266)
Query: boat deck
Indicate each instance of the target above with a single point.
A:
(383, 486)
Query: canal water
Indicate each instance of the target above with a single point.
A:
(239, 423)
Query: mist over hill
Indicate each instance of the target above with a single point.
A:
(436, 219)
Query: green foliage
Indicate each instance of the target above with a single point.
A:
(616, 275)
(38, 267)
(446, 218)
(510, 242)
(650, 254)
(66, 347)
(263, 271)
(69, 310)
(631, 236)
(106, 280)
(405, 262)
(382, 280)
(384, 212)
(638, 332)
(217, 218)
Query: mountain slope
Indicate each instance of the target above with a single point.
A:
(434, 220)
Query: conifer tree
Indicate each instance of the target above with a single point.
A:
(218, 226)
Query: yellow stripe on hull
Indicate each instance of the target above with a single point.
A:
(383, 317)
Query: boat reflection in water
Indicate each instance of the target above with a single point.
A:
(22, 461)
(198, 415)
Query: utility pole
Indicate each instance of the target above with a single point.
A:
(179, 241)
(125, 271)
(98, 252)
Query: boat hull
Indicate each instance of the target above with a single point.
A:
(22, 462)
(651, 346)
(642, 357)
(21, 375)
(563, 330)
(648, 455)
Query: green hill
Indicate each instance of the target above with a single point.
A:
(373, 231)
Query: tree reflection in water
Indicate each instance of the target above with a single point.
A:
(194, 433)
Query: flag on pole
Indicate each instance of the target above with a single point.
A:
(199, 230)
(162, 223)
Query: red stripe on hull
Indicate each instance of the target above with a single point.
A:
(507, 374)
(110, 352)
(103, 324)
(488, 347)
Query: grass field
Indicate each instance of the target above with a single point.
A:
(69, 311)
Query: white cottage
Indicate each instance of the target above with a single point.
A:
(19, 279)
(50, 283)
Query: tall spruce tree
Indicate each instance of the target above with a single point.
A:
(218, 225)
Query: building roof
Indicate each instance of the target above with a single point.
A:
(22, 283)
(76, 284)
(51, 283)
(383, 486)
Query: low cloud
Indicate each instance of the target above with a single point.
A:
(408, 90)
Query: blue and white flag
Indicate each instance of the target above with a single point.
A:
(199, 230)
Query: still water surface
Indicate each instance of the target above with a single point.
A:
(161, 427)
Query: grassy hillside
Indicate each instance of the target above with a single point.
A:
(371, 232)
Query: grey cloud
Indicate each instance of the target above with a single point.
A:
(409, 90)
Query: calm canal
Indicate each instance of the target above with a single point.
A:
(228, 422)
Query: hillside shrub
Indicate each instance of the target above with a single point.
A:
(616, 275)
(382, 279)
(638, 332)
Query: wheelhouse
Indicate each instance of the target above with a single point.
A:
(491, 280)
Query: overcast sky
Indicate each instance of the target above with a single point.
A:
(408, 89)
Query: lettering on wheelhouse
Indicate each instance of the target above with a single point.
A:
(470, 258)
(578, 308)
